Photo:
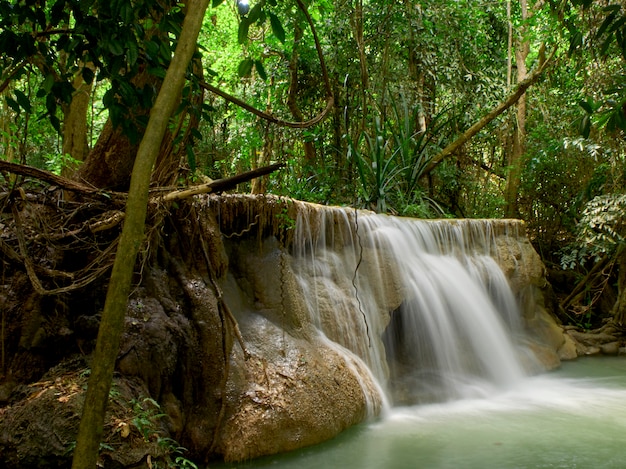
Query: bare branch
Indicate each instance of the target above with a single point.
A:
(495, 112)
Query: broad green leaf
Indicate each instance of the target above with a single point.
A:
(116, 47)
(127, 13)
(51, 104)
(255, 13)
(606, 23)
(216, 3)
(13, 104)
(612, 8)
(277, 28)
(584, 127)
(245, 68)
(23, 100)
(586, 106)
(191, 158)
(260, 69)
(197, 134)
(88, 75)
(47, 83)
(133, 52)
(242, 33)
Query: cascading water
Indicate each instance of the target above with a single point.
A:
(423, 303)
(426, 308)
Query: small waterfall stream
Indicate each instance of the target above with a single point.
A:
(444, 319)
(423, 303)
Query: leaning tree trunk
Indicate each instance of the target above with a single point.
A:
(112, 322)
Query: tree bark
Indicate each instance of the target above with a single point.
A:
(75, 141)
(619, 310)
(292, 102)
(519, 128)
(112, 323)
(357, 32)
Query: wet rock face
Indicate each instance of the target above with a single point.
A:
(526, 274)
(288, 394)
(290, 387)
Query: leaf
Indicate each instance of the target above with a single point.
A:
(216, 3)
(88, 75)
(23, 100)
(245, 68)
(260, 69)
(606, 23)
(584, 126)
(255, 13)
(277, 28)
(51, 104)
(191, 158)
(127, 13)
(13, 104)
(47, 83)
(133, 52)
(242, 33)
(196, 134)
(612, 8)
(575, 42)
(115, 47)
(586, 106)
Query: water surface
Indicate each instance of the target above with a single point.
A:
(572, 418)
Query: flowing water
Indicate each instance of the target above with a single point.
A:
(423, 303)
(427, 308)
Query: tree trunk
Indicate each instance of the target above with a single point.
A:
(112, 323)
(75, 141)
(519, 129)
(259, 185)
(309, 148)
(7, 137)
(110, 163)
(619, 309)
(357, 32)
(417, 76)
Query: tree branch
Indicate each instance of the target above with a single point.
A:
(330, 100)
(219, 185)
(495, 112)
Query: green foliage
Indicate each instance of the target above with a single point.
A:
(147, 414)
(553, 187)
(605, 32)
(120, 38)
(602, 227)
(57, 161)
(392, 154)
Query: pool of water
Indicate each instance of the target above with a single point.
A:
(572, 418)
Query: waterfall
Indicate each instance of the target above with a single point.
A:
(423, 303)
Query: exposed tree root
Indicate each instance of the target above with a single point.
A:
(82, 231)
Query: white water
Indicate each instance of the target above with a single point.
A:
(453, 316)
